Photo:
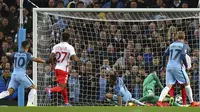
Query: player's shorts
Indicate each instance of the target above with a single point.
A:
(16, 80)
(62, 76)
(174, 74)
(127, 97)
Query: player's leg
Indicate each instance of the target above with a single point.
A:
(62, 78)
(170, 80)
(184, 95)
(112, 98)
(28, 83)
(183, 78)
(11, 88)
(171, 91)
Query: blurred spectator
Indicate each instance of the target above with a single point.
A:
(159, 4)
(4, 10)
(60, 4)
(133, 4)
(106, 65)
(5, 27)
(72, 4)
(4, 82)
(102, 83)
(94, 4)
(176, 4)
(3, 62)
(80, 4)
(194, 41)
(27, 21)
(114, 4)
(51, 3)
(13, 17)
(74, 86)
(185, 5)
(11, 44)
(111, 54)
(84, 57)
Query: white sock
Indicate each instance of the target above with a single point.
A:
(189, 93)
(4, 94)
(137, 102)
(163, 93)
(31, 97)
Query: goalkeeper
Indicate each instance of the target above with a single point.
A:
(149, 85)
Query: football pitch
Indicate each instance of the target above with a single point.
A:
(99, 109)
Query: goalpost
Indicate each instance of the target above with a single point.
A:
(130, 41)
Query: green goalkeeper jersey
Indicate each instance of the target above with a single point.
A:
(151, 82)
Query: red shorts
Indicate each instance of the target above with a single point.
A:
(62, 76)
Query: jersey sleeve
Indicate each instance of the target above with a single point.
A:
(167, 51)
(53, 50)
(184, 50)
(30, 56)
(71, 51)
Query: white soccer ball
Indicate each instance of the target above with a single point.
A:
(178, 99)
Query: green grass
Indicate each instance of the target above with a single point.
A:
(99, 109)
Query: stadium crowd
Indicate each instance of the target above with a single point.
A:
(100, 46)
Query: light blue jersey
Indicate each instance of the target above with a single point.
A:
(121, 90)
(21, 60)
(175, 51)
(19, 75)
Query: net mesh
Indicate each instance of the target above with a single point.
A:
(130, 43)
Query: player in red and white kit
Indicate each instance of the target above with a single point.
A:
(62, 52)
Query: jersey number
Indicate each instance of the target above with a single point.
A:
(58, 56)
(19, 62)
(177, 51)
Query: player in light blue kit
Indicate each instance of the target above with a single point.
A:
(19, 75)
(176, 53)
(121, 93)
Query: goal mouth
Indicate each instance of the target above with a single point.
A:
(129, 42)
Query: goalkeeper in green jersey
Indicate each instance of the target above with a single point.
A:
(149, 85)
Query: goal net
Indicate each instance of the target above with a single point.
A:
(129, 42)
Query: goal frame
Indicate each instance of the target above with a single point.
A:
(35, 10)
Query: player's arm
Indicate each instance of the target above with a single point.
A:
(9, 54)
(74, 58)
(38, 60)
(166, 53)
(52, 57)
(183, 57)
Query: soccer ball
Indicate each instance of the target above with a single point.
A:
(178, 99)
(130, 104)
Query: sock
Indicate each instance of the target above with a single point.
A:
(65, 96)
(56, 89)
(163, 93)
(189, 93)
(31, 97)
(4, 94)
(184, 95)
(171, 91)
(137, 102)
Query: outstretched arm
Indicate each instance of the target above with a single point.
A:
(74, 58)
(52, 57)
(38, 60)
